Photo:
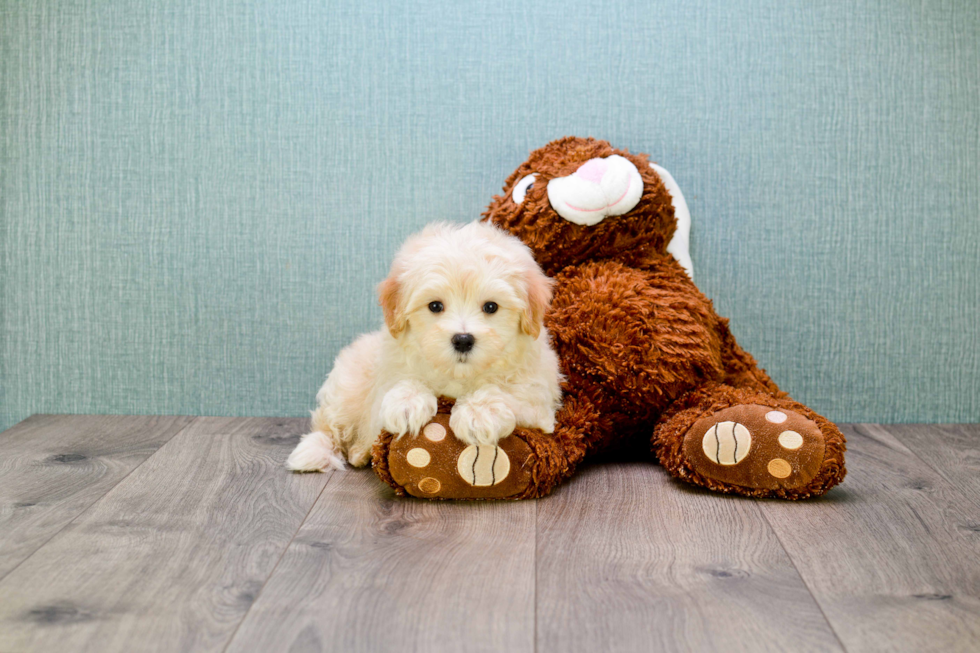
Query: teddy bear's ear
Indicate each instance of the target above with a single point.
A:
(680, 245)
(538, 289)
(389, 296)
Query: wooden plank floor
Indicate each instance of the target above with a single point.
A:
(187, 534)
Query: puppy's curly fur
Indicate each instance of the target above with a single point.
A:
(464, 307)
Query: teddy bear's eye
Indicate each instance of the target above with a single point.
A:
(520, 190)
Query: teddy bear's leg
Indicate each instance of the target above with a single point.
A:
(526, 464)
(749, 441)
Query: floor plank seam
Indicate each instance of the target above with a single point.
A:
(802, 578)
(100, 498)
(537, 513)
(282, 555)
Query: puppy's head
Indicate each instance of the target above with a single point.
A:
(464, 298)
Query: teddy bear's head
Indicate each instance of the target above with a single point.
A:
(580, 198)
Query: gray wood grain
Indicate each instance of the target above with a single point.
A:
(152, 534)
(953, 450)
(52, 467)
(629, 560)
(173, 556)
(892, 554)
(371, 572)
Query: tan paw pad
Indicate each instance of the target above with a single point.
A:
(779, 468)
(483, 465)
(430, 485)
(727, 443)
(790, 440)
(418, 457)
(434, 431)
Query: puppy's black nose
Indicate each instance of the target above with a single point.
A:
(463, 342)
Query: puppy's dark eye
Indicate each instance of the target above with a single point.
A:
(490, 307)
(435, 307)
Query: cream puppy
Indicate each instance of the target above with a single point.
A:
(463, 307)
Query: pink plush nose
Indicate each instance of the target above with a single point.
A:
(592, 170)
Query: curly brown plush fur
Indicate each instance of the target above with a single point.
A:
(645, 354)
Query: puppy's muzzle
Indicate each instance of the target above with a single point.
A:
(463, 342)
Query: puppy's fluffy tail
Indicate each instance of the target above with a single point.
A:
(316, 452)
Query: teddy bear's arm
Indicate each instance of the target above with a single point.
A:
(640, 337)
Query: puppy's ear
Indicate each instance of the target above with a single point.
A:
(538, 287)
(389, 292)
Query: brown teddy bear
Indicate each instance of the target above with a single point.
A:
(645, 356)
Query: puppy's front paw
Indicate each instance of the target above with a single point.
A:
(407, 407)
(482, 418)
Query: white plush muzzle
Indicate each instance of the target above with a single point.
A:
(600, 187)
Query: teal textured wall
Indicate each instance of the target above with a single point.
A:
(199, 197)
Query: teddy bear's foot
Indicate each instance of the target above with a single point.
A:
(756, 447)
(526, 464)
(435, 465)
